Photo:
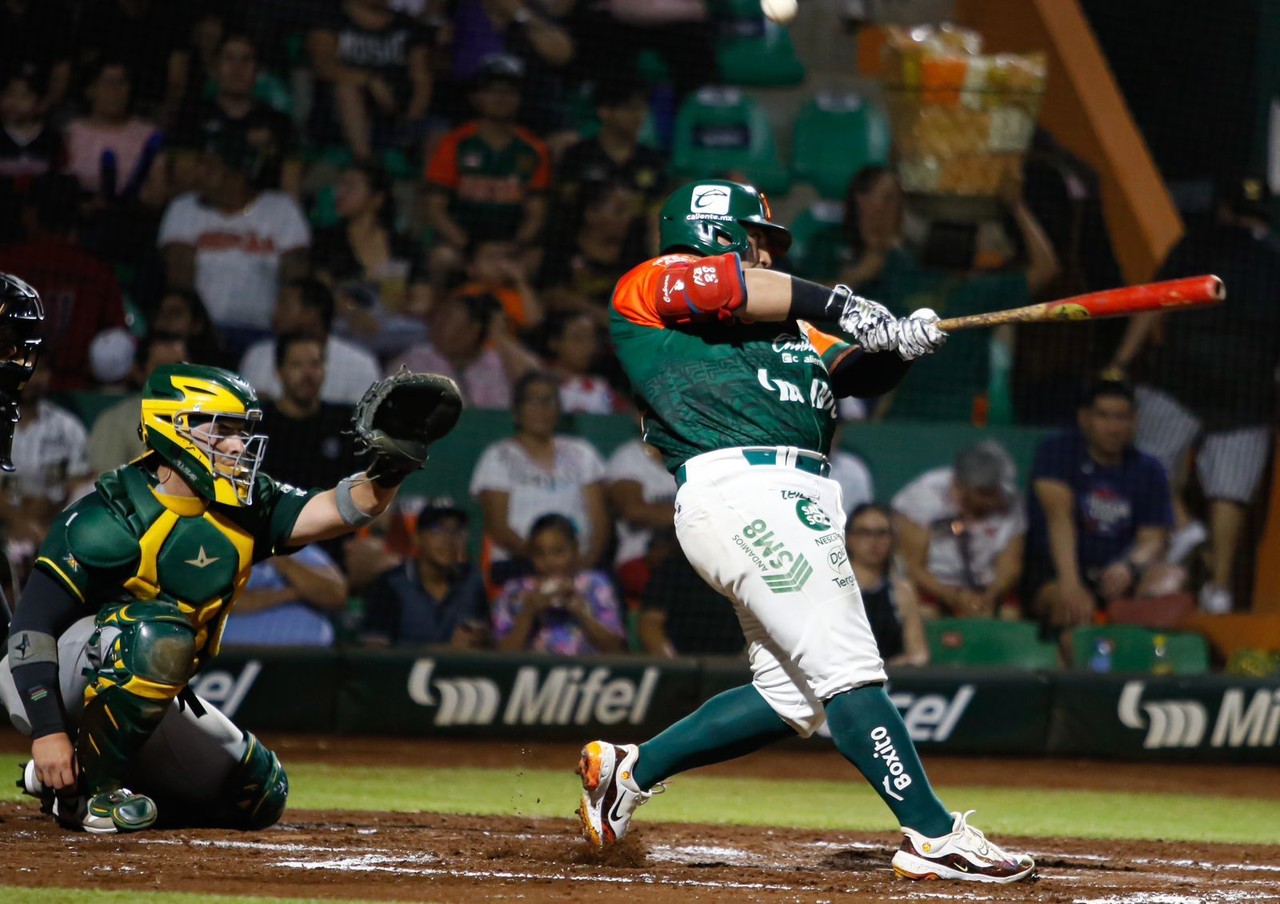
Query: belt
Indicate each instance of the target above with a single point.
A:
(811, 462)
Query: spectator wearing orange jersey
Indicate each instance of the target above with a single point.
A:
(489, 176)
(493, 268)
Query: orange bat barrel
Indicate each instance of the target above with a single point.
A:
(1169, 295)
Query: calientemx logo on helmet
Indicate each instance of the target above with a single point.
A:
(712, 199)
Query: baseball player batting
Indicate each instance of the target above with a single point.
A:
(738, 393)
(134, 582)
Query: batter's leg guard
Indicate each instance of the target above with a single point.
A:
(255, 790)
(142, 669)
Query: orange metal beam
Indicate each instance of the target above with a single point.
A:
(1086, 113)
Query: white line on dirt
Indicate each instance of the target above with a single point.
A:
(381, 863)
(700, 853)
(356, 860)
(1209, 865)
(1213, 897)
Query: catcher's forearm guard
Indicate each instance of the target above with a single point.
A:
(399, 417)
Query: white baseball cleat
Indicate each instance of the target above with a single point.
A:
(964, 854)
(609, 794)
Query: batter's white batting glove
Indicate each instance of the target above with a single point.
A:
(919, 335)
(869, 323)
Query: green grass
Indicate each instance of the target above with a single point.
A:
(850, 805)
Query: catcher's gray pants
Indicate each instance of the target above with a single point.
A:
(1230, 462)
(187, 758)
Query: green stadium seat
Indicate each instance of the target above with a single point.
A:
(817, 241)
(1133, 649)
(988, 642)
(835, 135)
(721, 130)
(751, 50)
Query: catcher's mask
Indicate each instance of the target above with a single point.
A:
(697, 215)
(202, 421)
(21, 315)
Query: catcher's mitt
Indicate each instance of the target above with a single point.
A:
(399, 417)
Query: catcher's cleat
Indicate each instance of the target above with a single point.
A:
(609, 794)
(964, 854)
(109, 812)
(30, 783)
(68, 808)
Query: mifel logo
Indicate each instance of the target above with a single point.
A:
(1169, 723)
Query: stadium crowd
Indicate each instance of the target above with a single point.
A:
(318, 192)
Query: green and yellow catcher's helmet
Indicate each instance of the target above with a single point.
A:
(202, 421)
(697, 215)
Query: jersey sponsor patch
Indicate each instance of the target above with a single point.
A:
(812, 516)
(784, 571)
(882, 744)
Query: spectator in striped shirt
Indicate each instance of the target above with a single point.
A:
(289, 602)
(1211, 395)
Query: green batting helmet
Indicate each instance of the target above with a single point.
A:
(188, 413)
(697, 215)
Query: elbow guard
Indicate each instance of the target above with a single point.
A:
(710, 288)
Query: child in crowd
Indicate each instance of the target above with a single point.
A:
(559, 608)
(494, 268)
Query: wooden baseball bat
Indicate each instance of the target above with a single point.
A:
(1193, 291)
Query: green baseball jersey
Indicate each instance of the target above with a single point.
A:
(716, 385)
(127, 539)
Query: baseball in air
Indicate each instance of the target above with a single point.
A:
(780, 11)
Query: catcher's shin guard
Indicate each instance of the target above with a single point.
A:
(143, 668)
(255, 791)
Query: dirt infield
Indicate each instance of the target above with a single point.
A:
(451, 858)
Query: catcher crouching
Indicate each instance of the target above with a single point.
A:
(134, 583)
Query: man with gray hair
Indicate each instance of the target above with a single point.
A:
(961, 530)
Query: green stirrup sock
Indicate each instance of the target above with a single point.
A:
(869, 732)
(728, 725)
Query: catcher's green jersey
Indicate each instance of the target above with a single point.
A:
(713, 386)
(128, 539)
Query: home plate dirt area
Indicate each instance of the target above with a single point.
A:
(431, 857)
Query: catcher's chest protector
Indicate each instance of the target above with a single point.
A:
(188, 555)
